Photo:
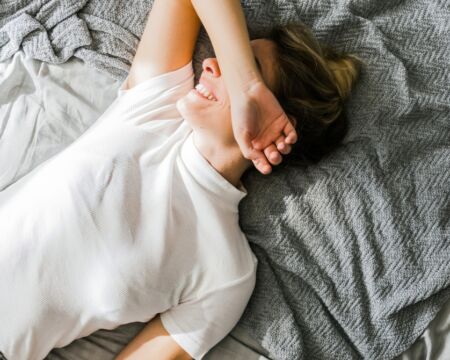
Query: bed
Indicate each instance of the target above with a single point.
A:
(354, 252)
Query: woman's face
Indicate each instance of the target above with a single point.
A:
(207, 106)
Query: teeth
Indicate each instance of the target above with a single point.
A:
(205, 92)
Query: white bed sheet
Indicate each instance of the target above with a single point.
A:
(43, 108)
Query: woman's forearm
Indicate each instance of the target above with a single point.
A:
(257, 117)
(168, 40)
(225, 23)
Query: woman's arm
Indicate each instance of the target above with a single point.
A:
(167, 43)
(168, 40)
(257, 117)
(226, 27)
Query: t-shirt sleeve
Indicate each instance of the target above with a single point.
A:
(199, 324)
(158, 92)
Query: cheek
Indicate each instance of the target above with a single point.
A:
(187, 106)
(191, 105)
(195, 112)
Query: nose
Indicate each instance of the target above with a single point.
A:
(211, 67)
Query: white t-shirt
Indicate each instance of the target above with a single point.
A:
(127, 222)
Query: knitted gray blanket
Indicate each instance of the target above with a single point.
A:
(354, 253)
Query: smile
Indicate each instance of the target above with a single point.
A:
(204, 92)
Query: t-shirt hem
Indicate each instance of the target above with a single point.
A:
(180, 336)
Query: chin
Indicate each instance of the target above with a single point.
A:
(188, 106)
(189, 111)
(200, 115)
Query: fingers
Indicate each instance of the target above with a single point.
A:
(246, 146)
(261, 164)
(284, 128)
(269, 156)
(258, 158)
(260, 144)
(290, 133)
(272, 154)
(281, 145)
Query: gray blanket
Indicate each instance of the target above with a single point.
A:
(354, 253)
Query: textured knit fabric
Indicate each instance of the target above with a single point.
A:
(128, 221)
(353, 252)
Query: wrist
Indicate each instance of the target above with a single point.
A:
(238, 75)
(253, 80)
(246, 86)
(249, 90)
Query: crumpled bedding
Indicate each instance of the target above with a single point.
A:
(44, 108)
(66, 111)
(353, 252)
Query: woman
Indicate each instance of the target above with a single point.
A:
(137, 220)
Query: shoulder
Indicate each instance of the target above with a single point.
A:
(222, 269)
(233, 275)
(184, 75)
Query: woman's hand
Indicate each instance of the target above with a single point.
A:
(261, 127)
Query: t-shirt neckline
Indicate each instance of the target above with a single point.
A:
(205, 174)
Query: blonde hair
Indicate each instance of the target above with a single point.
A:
(345, 71)
(313, 83)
